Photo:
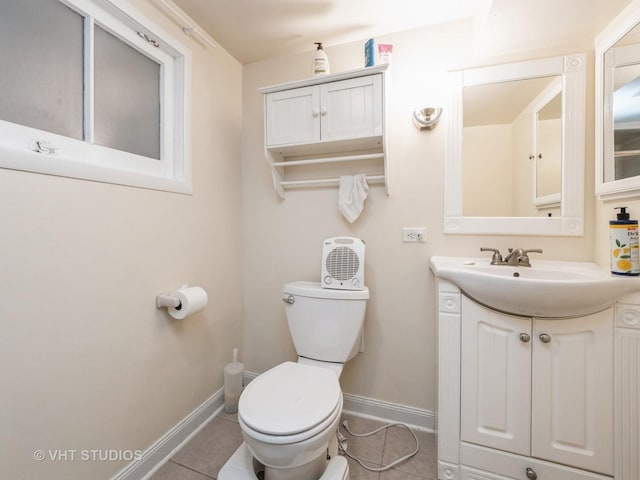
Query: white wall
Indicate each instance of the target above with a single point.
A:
(86, 360)
(283, 238)
(487, 160)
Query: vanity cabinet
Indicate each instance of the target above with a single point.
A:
(523, 398)
(318, 129)
(539, 387)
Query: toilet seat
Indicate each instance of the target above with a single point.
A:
(290, 403)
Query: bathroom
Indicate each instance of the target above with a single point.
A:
(88, 362)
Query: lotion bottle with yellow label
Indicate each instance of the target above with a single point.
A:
(623, 233)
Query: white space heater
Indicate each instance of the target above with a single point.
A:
(343, 263)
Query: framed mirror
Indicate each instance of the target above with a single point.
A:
(618, 106)
(515, 157)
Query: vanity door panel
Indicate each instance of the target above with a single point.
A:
(572, 396)
(495, 378)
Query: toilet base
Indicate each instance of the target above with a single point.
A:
(241, 467)
(310, 471)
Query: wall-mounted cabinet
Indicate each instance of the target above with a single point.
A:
(321, 128)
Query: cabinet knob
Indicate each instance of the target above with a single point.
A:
(524, 337)
(315, 112)
(544, 338)
(323, 111)
(531, 474)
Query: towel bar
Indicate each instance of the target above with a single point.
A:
(348, 158)
(326, 181)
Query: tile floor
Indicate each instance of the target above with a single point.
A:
(204, 455)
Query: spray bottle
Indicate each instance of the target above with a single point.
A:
(320, 62)
(623, 233)
(232, 383)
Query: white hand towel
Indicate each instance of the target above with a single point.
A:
(352, 194)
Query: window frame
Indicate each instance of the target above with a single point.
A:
(34, 150)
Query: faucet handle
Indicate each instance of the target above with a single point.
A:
(496, 259)
(523, 259)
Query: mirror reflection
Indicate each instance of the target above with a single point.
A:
(622, 93)
(548, 150)
(626, 119)
(512, 147)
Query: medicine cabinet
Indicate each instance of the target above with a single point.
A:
(319, 129)
(618, 107)
(546, 147)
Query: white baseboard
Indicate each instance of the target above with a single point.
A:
(390, 412)
(379, 409)
(157, 454)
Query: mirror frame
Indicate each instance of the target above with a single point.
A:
(572, 68)
(626, 20)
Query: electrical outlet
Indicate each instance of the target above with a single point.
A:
(414, 234)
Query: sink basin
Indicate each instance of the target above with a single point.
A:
(551, 289)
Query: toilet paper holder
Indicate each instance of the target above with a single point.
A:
(163, 301)
(183, 302)
(168, 300)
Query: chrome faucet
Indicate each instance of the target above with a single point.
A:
(519, 257)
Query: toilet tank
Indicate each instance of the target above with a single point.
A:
(325, 324)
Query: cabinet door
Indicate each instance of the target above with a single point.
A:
(495, 378)
(351, 108)
(572, 419)
(293, 116)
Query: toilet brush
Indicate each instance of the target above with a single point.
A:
(232, 383)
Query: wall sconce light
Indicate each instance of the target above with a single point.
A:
(426, 117)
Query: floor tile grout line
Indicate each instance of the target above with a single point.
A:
(228, 419)
(193, 469)
(398, 468)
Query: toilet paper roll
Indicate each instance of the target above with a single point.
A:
(192, 300)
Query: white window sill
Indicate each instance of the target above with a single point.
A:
(55, 164)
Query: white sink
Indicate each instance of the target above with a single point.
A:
(547, 289)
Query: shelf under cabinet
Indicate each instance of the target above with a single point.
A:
(308, 171)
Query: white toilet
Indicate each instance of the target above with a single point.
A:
(289, 415)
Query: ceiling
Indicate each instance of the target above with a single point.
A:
(501, 103)
(254, 30)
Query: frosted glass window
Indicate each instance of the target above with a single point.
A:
(127, 97)
(41, 66)
(93, 89)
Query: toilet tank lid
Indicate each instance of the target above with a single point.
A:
(290, 398)
(315, 290)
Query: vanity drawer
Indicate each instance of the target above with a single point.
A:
(486, 463)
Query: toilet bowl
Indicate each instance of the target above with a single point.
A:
(289, 415)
